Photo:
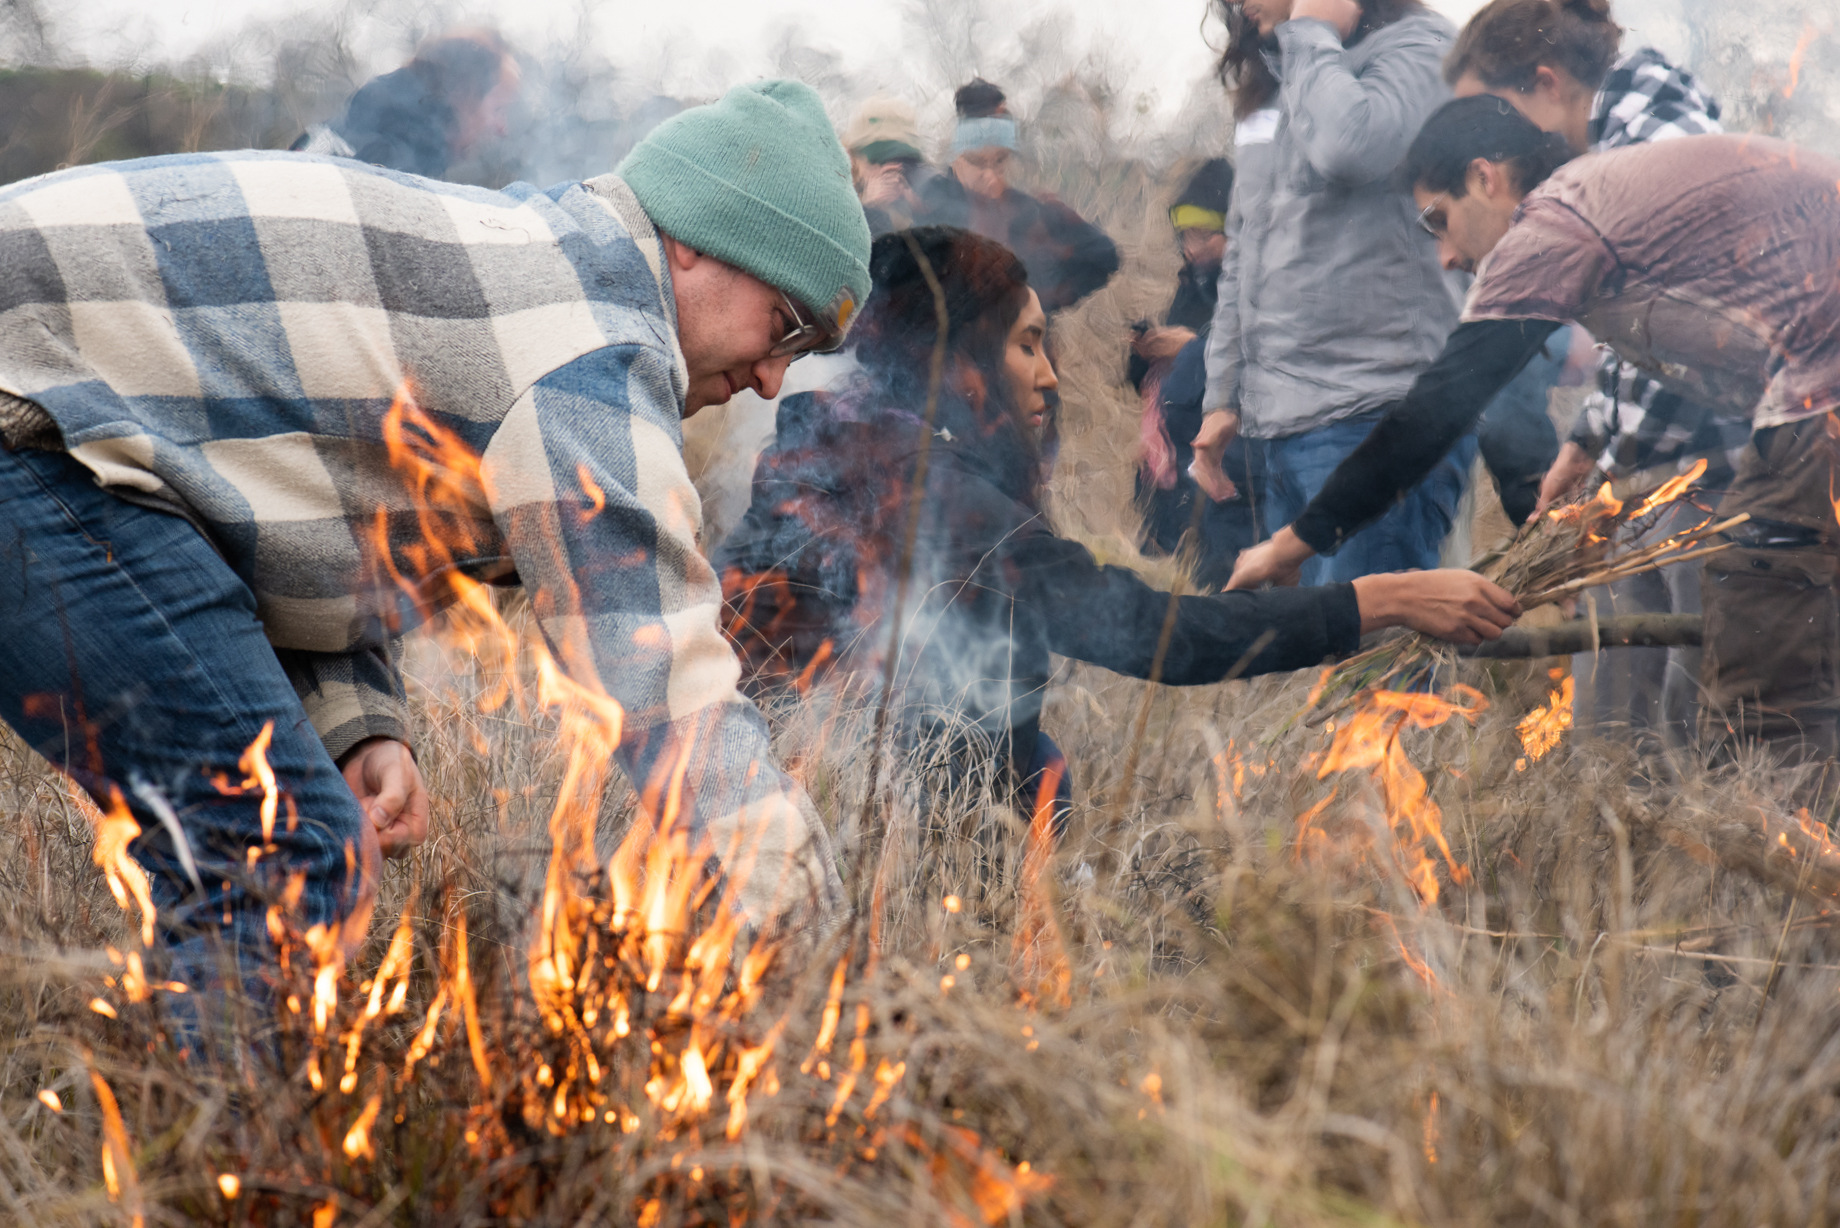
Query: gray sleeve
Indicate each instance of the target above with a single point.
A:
(1357, 129)
(1225, 359)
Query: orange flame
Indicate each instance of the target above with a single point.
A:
(963, 1166)
(1370, 740)
(1795, 58)
(1670, 490)
(115, 830)
(1043, 969)
(358, 1138)
(117, 1158)
(254, 766)
(1540, 729)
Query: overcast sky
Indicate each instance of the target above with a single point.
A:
(1160, 37)
(1157, 42)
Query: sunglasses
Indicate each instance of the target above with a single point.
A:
(806, 335)
(1433, 220)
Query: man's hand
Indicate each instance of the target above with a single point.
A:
(1459, 606)
(383, 776)
(1277, 561)
(1217, 431)
(884, 184)
(1573, 465)
(1162, 344)
(1344, 15)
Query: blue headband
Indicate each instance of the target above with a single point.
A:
(992, 131)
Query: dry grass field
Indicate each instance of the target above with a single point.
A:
(1375, 974)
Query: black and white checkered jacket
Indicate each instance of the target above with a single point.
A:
(1630, 422)
(224, 335)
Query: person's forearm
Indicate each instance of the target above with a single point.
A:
(1441, 407)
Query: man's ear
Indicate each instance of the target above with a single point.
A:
(682, 256)
(1490, 180)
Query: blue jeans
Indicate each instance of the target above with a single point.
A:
(1408, 536)
(133, 661)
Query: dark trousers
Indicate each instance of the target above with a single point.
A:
(133, 660)
(1772, 609)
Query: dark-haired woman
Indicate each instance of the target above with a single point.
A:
(1557, 63)
(811, 573)
(1712, 263)
(1331, 299)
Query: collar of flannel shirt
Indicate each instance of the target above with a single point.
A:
(1645, 98)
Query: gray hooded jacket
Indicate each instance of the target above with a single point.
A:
(1331, 298)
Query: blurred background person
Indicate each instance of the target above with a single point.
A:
(1168, 369)
(1556, 62)
(885, 160)
(456, 94)
(814, 567)
(1331, 296)
(1067, 257)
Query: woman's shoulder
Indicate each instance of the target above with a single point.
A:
(1421, 29)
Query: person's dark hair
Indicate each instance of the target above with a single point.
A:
(979, 100)
(1210, 187)
(1485, 127)
(461, 68)
(1243, 68)
(985, 287)
(1508, 40)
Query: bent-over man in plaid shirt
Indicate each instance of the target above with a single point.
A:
(197, 356)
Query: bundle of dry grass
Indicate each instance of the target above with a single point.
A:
(1585, 543)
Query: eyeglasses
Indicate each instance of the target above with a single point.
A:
(1432, 219)
(806, 336)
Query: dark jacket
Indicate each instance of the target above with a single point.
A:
(1067, 256)
(813, 567)
(394, 121)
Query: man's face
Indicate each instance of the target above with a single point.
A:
(984, 172)
(1202, 247)
(1469, 226)
(491, 116)
(728, 322)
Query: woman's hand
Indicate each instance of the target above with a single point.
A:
(1571, 467)
(1278, 561)
(1217, 431)
(1344, 15)
(383, 776)
(1459, 606)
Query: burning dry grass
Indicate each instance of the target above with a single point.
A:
(1617, 1007)
(1312, 976)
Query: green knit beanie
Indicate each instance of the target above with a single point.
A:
(760, 181)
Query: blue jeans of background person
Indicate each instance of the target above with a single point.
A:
(1408, 536)
(1516, 434)
(133, 660)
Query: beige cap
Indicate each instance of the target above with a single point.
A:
(884, 121)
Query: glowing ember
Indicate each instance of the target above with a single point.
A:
(50, 1100)
(229, 1185)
